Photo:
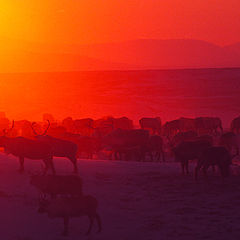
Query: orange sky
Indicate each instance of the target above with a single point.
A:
(81, 21)
(54, 22)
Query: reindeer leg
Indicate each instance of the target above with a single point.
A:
(21, 162)
(66, 224)
(91, 218)
(205, 168)
(151, 156)
(90, 155)
(237, 150)
(198, 167)
(49, 163)
(196, 172)
(46, 166)
(74, 162)
(116, 155)
(99, 222)
(183, 167)
(163, 155)
(52, 166)
(186, 164)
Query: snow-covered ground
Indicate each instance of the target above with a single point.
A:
(143, 201)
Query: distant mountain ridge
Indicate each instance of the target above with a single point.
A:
(136, 54)
(175, 53)
(234, 47)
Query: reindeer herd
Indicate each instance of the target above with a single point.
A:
(187, 139)
(116, 138)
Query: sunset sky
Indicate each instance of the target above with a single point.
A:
(44, 26)
(81, 21)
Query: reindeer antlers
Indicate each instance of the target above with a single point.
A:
(44, 133)
(46, 128)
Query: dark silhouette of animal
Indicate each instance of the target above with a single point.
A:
(60, 147)
(83, 126)
(57, 131)
(235, 125)
(171, 128)
(69, 185)
(68, 123)
(153, 124)
(131, 143)
(106, 125)
(103, 126)
(4, 123)
(208, 124)
(26, 148)
(186, 124)
(86, 145)
(122, 123)
(230, 141)
(214, 156)
(183, 136)
(23, 128)
(176, 126)
(206, 137)
(155, 147)
(189, 150)
(71, 207)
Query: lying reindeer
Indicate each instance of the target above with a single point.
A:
(66, 208)
(70, 185)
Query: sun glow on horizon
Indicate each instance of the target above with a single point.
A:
(47, 36)
(71, 21)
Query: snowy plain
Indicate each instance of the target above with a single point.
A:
(143, 201)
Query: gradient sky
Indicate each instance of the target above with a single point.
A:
(91, 21)
(51, 23)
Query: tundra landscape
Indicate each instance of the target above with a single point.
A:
(119, 120)
(174, 179)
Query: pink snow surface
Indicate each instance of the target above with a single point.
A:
(142, 201)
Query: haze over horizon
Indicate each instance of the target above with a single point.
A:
(34, 33)
(139, 54)
(95, 35)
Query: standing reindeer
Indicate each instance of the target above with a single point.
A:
(60, 147)
(71, 207)
(26, 148)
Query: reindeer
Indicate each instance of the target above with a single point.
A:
(214, 156)
(153, 124)
(235, 125)
(229, 140)
(69, 207)
(26, 148)
(155, 147)
(61, 148)
(69, 185)
(189, 150)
